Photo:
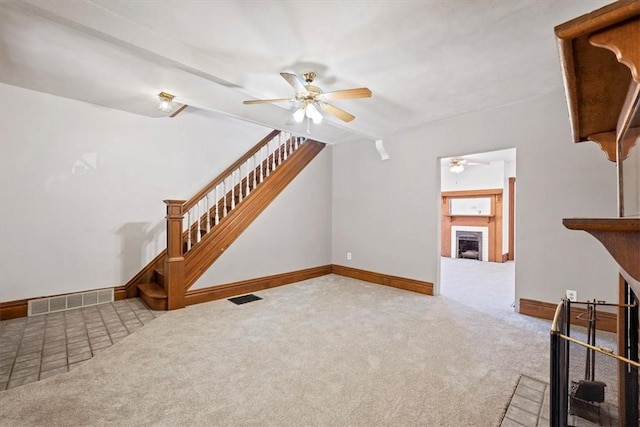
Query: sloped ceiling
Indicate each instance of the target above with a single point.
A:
(423, 60)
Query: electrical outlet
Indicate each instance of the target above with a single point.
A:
(572, 295)
(349, 256)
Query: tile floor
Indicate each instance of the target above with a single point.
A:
(38, 347)
(529, 407)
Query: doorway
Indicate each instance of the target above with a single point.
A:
(477, 243)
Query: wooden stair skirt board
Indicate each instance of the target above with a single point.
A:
(384, 279)
(607, 321)
(212, 293)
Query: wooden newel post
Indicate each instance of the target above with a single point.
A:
(174, 263)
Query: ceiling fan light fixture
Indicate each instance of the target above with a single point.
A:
(166, 102)
(313, 113)
(456, 168)
(298, 116)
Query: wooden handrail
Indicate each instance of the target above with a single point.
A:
(217, 180)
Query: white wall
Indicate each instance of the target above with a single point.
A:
(65, 232)
(387, 213)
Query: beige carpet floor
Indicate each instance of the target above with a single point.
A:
(328, 351)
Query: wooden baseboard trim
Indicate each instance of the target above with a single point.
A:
(607, 321)
(120, 292)
(384, 279)
(13, 309)
(211, 293)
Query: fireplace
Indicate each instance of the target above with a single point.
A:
(469, 244)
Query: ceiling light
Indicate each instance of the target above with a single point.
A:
(313, 113)
(298, 116)
(456, 168)
(166, 102)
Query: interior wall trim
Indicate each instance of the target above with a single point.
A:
(13, 309)
(607, 321)
(212, 293)
(18, 308)
(384, 279)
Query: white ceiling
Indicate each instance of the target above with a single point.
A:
(423, 60)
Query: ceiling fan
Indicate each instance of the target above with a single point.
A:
(313, 99)
(458, 164)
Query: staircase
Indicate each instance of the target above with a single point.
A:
(200, 229)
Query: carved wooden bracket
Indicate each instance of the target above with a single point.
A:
(624, 41)
(607, 142)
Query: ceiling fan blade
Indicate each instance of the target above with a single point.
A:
(361, 92)
(267, 101)
(341, 114)
(296, 82)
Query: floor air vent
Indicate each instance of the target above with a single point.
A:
(244, 299)
(69, 301)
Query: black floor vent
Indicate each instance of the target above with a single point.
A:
(244, 299)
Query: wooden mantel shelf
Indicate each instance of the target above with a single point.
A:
(621, 237)
(486, 218)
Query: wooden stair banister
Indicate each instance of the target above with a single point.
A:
(162, 283)
(207, 188)
(216, 242)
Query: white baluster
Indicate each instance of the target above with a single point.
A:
(198, 221)
(254, 170)
(279, 149)
(217, 218)
(261, 165)
(297, 142)
(233, 190)
(240, 182)
(189, 230)
(273, 156)
(246, 169)
(286, 143)
(268, 165)
(185, 225)
(208, 215)
(224, 198)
